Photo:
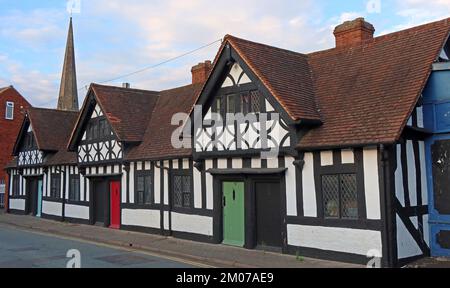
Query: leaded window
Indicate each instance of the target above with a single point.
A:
(144, 189)
(340, 196)
(16, 185)
(182, 191)
(55, 186)
(74, 188)
(255, 101)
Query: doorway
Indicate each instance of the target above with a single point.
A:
(115, 204)
(105, 207)
(233, 214)
(268, 214)
(34, 196)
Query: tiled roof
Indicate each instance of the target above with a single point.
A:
(128, 110)
(367, 93)
(52, 128)
(156, 143)
(285, 74)
(362, 94)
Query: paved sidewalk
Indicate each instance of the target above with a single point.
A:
(208, 254)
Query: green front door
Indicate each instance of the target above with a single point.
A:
(233, 214)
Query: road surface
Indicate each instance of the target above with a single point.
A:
(24, 249)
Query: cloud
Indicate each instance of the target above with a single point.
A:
(29, 83)
(416, 12)
(35, 28)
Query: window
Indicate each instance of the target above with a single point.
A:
(182, 191)
(16, 186)
(144, 189)
(250, 102)
(231, 104)
(104, 128)
(9, 115)
(255, 102)
(74, 188)
(340, 196)
(55, 187)
(29, 140)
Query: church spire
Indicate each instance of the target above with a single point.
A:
(68, 93)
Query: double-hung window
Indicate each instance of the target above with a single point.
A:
(74, 188)
(55, 187)
(144, 189)
(16, 186)
(9, 114)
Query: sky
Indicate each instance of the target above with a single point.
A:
(114, 38)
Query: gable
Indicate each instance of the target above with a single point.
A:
(27, 150)
(262, 123)
(98, 143)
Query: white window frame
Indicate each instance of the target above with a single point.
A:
(9, 105)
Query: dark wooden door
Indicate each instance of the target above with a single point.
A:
(99, 201)
(441, 175)
(115, 204)
(32, 197)
(268, 214)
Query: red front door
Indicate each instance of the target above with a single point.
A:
(115, 204)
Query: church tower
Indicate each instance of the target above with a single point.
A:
(68, 92)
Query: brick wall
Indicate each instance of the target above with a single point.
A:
(10, 128)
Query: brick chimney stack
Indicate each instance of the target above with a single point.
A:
(200, 72)
(355, 32)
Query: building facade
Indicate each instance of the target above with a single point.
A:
(322, 155)
(14, 106)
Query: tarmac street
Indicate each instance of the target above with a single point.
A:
(23, 249)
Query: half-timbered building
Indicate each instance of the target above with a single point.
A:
(326, 154)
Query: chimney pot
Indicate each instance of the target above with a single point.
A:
(353, 32)
(200, 72)
(126, 85)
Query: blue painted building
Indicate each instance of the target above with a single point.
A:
(436, 103)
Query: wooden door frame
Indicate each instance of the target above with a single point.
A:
(106, 199)
(249, 206)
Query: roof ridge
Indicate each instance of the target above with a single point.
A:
(124, 89)
(383, 37)
(180, 87)
(53, 110)
(231, 37)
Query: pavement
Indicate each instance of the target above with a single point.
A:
(24, 249)
(431, 262)
(178, 250)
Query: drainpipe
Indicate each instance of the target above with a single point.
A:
(388, 207)
(162, 199)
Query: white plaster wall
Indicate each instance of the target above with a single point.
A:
(197, 188)
(412, 174)
(209, 185)
(291, 188)
(52, 208)
(144, 218)
(76, 211)
(345, 240)
(406, 245)
(399, 190)
(192, 224)
(17, 204)
(371, 183)
(309, 187)
(157, 181)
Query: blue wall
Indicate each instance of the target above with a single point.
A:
(436, 107)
